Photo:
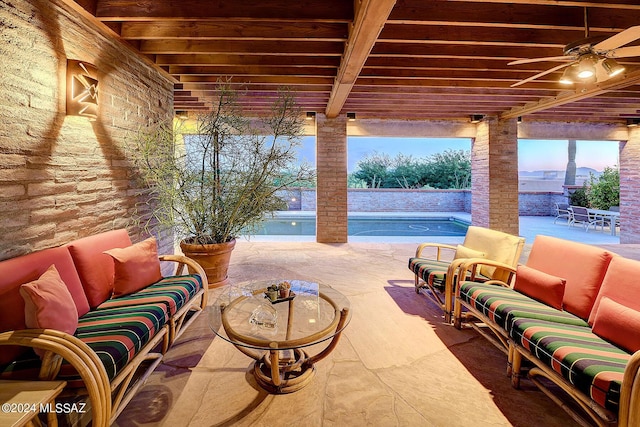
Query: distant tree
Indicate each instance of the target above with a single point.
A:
(373, 170)
(407, 172)
(605, 190)
(450, 169)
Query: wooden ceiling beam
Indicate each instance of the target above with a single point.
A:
(578, 94)
(488, 36)
(616, 4)
(265, 61)
(233, 30)
(145, 10)
(369, 21)
(268, 48)
(198, 72)
(525, 14)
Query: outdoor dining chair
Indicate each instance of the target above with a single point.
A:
(563, 213)
(580, 215)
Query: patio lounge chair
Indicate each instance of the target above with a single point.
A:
(562, 212)
(580, 215)
(436, 275)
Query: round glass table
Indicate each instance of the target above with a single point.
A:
(277, 333)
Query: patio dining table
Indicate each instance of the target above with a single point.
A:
(611, 216)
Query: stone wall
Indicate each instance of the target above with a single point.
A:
(62, 177)
(331, 160)
(494, 175)
(539, 204)
(630, 187)
(396, 200)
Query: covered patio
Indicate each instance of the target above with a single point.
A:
(400, 68)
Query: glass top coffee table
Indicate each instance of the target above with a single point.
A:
(277, 333)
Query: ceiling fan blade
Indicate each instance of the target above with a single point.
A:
(625, 52)
(544, 73)
(550, 58)
(620, 39)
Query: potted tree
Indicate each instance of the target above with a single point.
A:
(220, 177)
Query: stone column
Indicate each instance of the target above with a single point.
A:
(331, 164)
(630, 188)
(494, 176)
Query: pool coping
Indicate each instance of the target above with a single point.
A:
(530, 226)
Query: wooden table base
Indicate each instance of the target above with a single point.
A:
(288, 376)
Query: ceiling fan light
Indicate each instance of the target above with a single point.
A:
(569, 75)
(586, 67)
(612, 67)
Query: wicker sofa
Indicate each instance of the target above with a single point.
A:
(436, 274)
(112, 326)
(572, 315)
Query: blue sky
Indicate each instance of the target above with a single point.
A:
(532, 154)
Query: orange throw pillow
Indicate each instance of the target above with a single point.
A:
(136, 267)
(48, 304)
(618, 324)
(540, 286)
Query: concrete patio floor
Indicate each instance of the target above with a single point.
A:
(397, 363)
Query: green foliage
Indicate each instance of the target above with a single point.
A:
(224, 181)
(579, 197)
(449, 169)
(605, 190)
(373, 170)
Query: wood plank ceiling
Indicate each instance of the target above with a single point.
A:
(401, 59)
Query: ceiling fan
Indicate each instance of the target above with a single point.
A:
(589, 58)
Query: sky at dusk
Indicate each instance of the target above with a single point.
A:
(532, 154)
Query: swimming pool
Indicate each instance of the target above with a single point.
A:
(295, 225)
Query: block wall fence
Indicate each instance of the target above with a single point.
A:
(61, 177)
(388, 200)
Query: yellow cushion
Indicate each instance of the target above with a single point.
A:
(497, 246)
(465, 252)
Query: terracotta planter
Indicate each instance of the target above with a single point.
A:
(214, 258)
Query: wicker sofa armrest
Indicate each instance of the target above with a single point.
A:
(439, 247)
(184, 261)
(474, 264)
(628, 414)
(79, 355)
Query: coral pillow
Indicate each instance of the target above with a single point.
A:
(136, 267)
(49, 304)
(540, 286)
(465, 252)
(94, 267)
(618, 324)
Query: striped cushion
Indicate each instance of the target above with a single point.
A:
(591, 364)
(502, 305)
(431, 271)
(118, 334)
(174, 292)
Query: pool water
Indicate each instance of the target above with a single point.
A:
(368, 226)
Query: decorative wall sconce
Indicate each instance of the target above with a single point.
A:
(182, 115)
(476, 118)
(82, 89)
(351, 117)
(633, 122)
(311, 115)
